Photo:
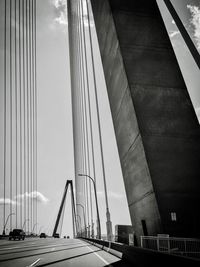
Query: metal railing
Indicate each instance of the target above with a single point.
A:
(127, 239)
(143, 257)
(174, 245)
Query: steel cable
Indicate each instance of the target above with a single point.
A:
(20, 99)
(5, 114)
(16, 112)
(11, 130)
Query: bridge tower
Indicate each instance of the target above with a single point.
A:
(157, 131)
(62, 205)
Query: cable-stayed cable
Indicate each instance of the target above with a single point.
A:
(27, 115)
(35, 79)
(33, 110)
(30, 118)
(16, 111)
(80, 105)
(83, 39)
(20, 116)
(5, 114)
(84, 114)
(109, 224)
(11, 130)
(24, 6)
(76, 83)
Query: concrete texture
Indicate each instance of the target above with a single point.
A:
(140, 257)
(156, 128)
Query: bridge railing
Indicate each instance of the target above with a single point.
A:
(174, 245)
(142, 257)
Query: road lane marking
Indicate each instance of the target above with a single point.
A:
(9, 248)
(104, 261)
(34, 263)
(42, 246)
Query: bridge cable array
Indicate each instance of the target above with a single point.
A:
(84, 94)
(20, 115)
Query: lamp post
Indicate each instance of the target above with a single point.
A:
(83, 217)
(97, 208)
(34, 227)
(79, 225)
(4, 227)
(25, 223)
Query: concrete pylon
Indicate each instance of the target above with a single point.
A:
(157, 131)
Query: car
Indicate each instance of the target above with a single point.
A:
(43, 235)
(17, 234)
(56, 235)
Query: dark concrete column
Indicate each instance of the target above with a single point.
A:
(157, 131)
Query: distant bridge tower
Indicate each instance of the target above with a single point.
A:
(62, 205)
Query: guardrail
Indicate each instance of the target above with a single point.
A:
(174, 245)
(141, 257)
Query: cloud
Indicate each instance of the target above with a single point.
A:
(198, 113)
(35, 195)
(60, 11)
(173, 33)
(8, 201)
(110, 194)
(195, 21)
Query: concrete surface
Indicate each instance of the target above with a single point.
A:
(55, 252)
(157, 132)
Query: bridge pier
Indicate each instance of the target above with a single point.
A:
(157, 132)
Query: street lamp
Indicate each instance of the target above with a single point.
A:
(83, 217)
(25, 223)
(34, 227)
(79, 225)
(4, 227)
(97, 208)
(87, 207)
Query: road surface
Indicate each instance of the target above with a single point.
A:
(55, 252)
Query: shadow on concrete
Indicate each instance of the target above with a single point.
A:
(66, 259)
(42, 253)
(37, 247)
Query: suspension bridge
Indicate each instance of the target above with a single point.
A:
(156, 128)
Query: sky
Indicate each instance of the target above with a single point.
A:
(189, 12)
(55, 135)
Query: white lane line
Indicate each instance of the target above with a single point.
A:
(9, 248)
(40, 246)
(34, 263)
(104, 261)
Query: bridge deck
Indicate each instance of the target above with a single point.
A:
(55, 252)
